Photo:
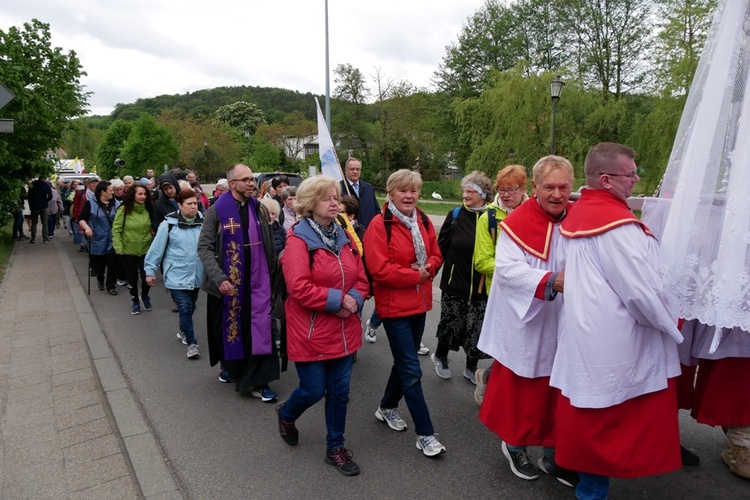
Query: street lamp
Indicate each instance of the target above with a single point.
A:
(247, 136)
(555, 89)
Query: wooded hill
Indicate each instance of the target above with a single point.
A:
(275, 103)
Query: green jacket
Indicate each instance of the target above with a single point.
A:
(484, 244)
(131, 234)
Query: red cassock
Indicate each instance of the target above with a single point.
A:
(610, 442)
(722, 392)
(686, 387)
(521, 411)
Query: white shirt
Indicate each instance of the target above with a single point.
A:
(520, 331)
(618, 339)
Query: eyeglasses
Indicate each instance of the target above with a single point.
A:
(632, 176)
(508, 190)
(244, 180)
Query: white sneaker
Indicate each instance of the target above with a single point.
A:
(391, 417)
(423, 350)
(430, 446)
(192, 352)
(370, 335)
(181, 337)
(441, 367)
(481, 386)
(469, 374)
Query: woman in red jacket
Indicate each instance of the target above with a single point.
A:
(327, 284)
(403, 256)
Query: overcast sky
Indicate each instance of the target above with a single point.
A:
(144, 48)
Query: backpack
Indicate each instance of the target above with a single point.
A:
(388, 217)
(492, 223)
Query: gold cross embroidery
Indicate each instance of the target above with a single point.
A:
(232, 225)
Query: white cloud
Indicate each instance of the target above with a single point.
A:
(143, 48)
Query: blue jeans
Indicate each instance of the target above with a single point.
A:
(77, 235)
(51, 223)
(375, 320)
(592, 487)
(18, 224)
(328, 378)
(404, 336)
(185, 300)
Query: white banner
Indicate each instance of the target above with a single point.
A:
(329, 162)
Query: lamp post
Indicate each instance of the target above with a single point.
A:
(555, 89)
(247, 136)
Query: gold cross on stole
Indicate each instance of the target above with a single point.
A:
(232, 225)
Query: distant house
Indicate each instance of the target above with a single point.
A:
(301, 148)
(54, 155)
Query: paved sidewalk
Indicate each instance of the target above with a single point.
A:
(69, 426)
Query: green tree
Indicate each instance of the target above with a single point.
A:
(290, 135)
(500, 36)
(351, 85)
(48, 92)
(80, 139)
(149, 145)
(265, 156)
(486, 42)
(684, 27)
(241, 115)
(351, 126)
(110, 148)
(613, 39)
(205, 145)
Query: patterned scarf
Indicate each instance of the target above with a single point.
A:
(328, 235)
(413, 226)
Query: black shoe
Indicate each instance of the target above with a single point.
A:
(112, 291)
(92, 272)
(81, 249)
(565, 476)
(288, 430)
(520, 464)
(100, 285)
(45, 240)
(688, 457)
(31, 241)
(342, 458)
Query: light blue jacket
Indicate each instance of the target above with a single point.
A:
(176, 245)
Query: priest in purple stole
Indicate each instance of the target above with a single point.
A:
(236, 248)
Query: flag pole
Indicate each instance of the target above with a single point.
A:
(328, 77)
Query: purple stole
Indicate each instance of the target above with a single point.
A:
(233, 264)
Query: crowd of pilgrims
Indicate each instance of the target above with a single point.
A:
(327, 247)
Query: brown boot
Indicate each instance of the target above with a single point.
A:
(741, 465)
(727, 456)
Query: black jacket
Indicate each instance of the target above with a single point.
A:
(368, 204)
(456, 242)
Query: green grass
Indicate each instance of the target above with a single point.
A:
(6, 247)
(431, 207)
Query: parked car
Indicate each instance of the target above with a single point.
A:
(261, 177)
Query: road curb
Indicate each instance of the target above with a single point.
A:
(152, 474)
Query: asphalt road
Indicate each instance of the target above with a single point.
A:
(223, 444)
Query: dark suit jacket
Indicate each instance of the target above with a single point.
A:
(368, 204)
